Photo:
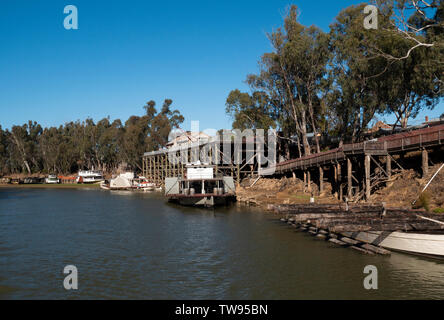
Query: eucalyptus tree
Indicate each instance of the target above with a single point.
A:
(3, 151)
(419, 22)
(410, 84)
(411, 40)
(293, 75)
(355, 74)
(250, 111)
(160, 124)
(24, 148)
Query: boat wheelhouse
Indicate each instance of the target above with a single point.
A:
(200, 186)
(90, 176)
(52, 179)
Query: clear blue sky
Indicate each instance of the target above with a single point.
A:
(126, 53)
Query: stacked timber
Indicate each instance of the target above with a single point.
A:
(368, 217)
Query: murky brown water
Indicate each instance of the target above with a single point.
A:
(132, 245)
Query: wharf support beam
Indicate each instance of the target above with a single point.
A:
(349, 178)
(425, 163)
(388, 166)
(367, 170)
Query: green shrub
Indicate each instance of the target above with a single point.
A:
(438, 210)
(424, 201)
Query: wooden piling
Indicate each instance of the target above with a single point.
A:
(349, 178)
(388, 166)
(367, 176)
(425, 163)
(308, 181)
(339, 173)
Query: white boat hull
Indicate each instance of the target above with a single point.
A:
(414, 243)
(51, 181)
(104, 186)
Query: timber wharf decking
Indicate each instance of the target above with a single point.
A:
(355, 170)
(368, 164)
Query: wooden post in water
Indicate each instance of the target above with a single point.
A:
(367, 177)
(425, 162)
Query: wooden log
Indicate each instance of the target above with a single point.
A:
(369, 220)
(349, 241)
(318, 208)
(338, 242)
(387, 227)
(375, 249)
(321, 236)
(361, 250)
(331, 222)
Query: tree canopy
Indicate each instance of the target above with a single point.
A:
(335, 84)
(86, 144)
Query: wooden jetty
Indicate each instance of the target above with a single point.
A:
(355, 170)
(370, 228)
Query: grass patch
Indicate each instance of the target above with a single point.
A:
(438, 210)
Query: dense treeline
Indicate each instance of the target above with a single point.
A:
(82, 145)
(334, 84)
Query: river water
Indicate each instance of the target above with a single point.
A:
(136, 246)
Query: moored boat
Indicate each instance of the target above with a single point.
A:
(89, 176)
(200, 187)
(105, 185)
(142, 183)
(424, 244)
(52, 179)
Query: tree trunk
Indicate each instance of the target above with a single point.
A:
(304, 134)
